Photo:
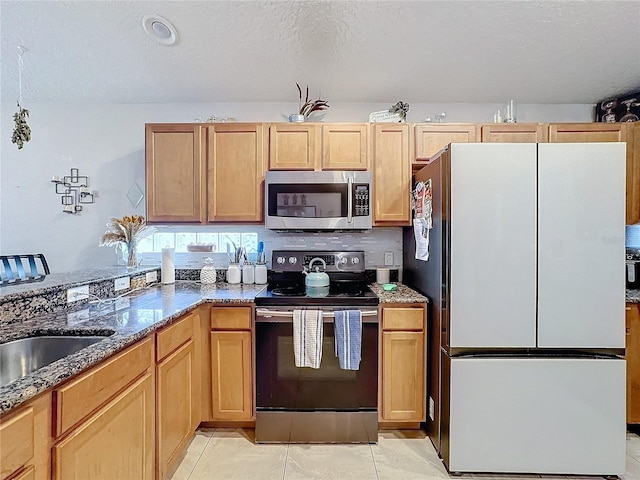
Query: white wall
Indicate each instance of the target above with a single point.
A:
(106, 143)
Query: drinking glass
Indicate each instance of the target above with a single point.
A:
(630, 117)
(609, 116)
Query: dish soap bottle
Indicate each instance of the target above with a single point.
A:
(208, 272)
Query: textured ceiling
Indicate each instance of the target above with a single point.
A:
(350, 51)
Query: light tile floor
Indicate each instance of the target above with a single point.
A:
(231, 454)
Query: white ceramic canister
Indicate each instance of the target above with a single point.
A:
(208, 272)
(248, 273)
(233, 273)
(261, 273)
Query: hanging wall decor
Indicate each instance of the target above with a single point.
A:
(22, 131)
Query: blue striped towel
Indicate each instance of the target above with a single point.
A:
(348, 335)
(307, 338)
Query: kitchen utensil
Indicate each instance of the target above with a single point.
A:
(317, 278)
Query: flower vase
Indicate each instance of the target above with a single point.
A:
(297, 117)
(128, 252)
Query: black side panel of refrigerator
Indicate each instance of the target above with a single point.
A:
(426, 277)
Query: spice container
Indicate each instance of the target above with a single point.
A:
(261, 273)
(233, 273)
(208, 272)
(248, 273)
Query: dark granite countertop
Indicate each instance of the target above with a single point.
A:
(633, 296)
(56, 281)
(137, 315)
(402, 294)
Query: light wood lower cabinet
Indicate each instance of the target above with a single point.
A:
(115, 443)
(632, 356)
(232, 364)
(402, 364)
(177, 392)
(105, 419)
(25, 440)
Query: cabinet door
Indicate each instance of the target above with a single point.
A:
(235, 172)
(431, 138)
(391, 174)
(231, 375)
(176, 402)
(345, 146)
(514, 133)
(174, 164)
(586, 132)
(403, 376)
(294, 146)
(633, 173)
(632, 355)
(116, 442)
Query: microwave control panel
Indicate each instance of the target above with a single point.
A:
(361, 199)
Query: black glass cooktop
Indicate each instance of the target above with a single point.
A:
(339, 293)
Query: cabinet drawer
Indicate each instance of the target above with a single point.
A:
(171, 337)
(16, 441)
(403, 319)
(231, 318)
(80, 397)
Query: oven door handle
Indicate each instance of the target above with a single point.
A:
(349, 200)
(266, 315)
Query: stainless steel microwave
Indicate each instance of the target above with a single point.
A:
(336, 200)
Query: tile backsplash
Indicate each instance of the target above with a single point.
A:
(373, 242)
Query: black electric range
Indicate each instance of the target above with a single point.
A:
(346, 270)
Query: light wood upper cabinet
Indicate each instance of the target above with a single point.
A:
(587, 132)
(514, 133)
(402, 359)
(345, 146)
(116, 442)
(236, 159)
(633, 173)
(391, 174)
(295, 146)
(430, 138)
(174, 164)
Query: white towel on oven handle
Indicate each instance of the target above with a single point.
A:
(307, 338)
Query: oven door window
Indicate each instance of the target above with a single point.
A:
(282, 385)
(311, 200)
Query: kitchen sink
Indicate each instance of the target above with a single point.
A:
(21, 357)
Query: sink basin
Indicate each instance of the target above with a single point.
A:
(21, 357)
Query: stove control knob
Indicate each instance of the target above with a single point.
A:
(355, 260)
(280, 260)
(343, 260)
(293, 260)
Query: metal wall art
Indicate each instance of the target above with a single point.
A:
(74, 191)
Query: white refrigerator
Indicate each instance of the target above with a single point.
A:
(527, 331)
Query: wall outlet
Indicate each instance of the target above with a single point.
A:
(77, 293)
(121, 283)
(388, 258)
(151, 276)
(432, 409)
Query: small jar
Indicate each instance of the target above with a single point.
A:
(261, 273)
(248, 273)
(208, 272)
(233, 273)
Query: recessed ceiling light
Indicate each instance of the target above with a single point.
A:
(160, 29)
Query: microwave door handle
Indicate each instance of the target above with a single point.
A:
(349, 200)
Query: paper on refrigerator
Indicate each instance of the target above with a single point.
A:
(422, 221)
